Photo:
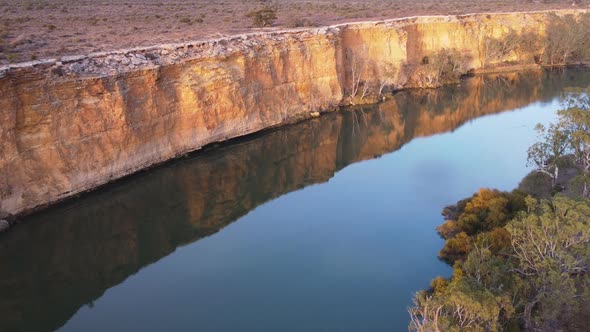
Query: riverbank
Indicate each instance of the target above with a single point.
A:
(75, 123)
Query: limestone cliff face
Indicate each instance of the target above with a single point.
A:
(71, 125)
(86, 246)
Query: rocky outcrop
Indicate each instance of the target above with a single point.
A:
(71, 124)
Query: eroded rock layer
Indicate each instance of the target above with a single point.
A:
(72, 124)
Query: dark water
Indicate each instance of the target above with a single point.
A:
(327, 225)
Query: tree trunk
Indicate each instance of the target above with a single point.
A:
(527, 316)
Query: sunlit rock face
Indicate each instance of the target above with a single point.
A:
(64, 133)
(86, 246)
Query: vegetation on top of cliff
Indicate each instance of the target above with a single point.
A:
(91, 26)
(264, 17)
(520, 262)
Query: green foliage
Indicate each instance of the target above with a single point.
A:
(520, 263)
(264, 17)
(547, 153)
(470, 301)
(537, 184)
(552, 250)
(485, 212)
(566, 143)
(456, 248)
(576, 120)
(578, 185)
(533, 272)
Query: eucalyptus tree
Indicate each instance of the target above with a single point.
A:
(547, 154)
(576, 121)
(539, 280)
(552, 250)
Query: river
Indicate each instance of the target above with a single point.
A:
(324, 225)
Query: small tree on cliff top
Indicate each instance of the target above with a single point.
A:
(264, 17)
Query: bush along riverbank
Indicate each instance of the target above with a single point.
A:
(521, 259)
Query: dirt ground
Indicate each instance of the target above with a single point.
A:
(36, 29)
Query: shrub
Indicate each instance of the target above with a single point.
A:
(499, 49)
(478, 220)
(11, 57)
(443, 67)
(536, 280)
(301, 22)
(537, 184)
(567, 40)
(264, 17)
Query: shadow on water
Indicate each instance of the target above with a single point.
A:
(62, 258)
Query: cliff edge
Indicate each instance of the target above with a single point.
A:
(71, 124)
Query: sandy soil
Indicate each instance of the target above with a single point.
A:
(36, 29)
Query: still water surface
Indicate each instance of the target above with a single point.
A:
(326, 225)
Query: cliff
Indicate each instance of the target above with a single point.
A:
(71, 124)
(79, 249)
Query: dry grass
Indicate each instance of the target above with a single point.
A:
(31, 29)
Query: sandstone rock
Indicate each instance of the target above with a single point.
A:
(77, 68)
(135, 61)
(212, 98)
(73, 58)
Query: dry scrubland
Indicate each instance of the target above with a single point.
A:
(37, 29)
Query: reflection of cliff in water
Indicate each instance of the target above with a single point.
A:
(57, 261)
